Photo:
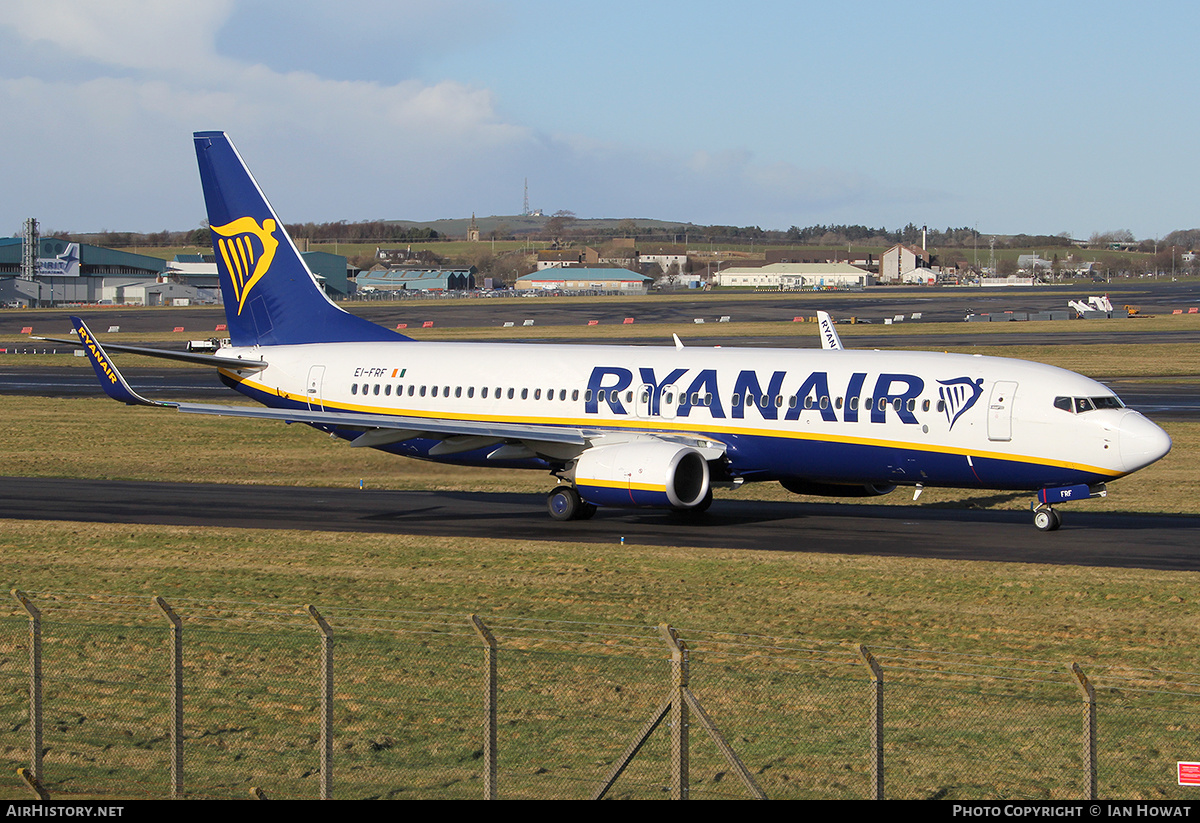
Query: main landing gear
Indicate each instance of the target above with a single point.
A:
(565, 503)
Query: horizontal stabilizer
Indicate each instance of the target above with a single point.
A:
(166, 354)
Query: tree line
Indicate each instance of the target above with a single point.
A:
(565, 227)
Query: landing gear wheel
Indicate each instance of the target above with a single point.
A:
(586, 511)
(564, 503)
(1047, 520)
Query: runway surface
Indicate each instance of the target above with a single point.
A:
(876, 304)
(1086, 539)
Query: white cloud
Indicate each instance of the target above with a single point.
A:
(115, 151)
(142, 34)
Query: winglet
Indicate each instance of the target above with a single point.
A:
(829, 335)
(111, 381)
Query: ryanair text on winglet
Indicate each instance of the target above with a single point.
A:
(97, 358)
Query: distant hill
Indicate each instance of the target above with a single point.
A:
(526, 224)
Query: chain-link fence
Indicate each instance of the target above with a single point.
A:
(125, 697)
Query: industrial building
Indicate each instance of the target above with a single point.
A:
(897, 264)
(578, 278)
(795, 276)
(68, 273)
(440, 279)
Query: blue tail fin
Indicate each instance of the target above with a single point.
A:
(271, 297)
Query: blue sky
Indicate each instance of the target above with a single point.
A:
(1012, 117)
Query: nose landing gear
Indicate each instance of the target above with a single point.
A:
(1046, 518)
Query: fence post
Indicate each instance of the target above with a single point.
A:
(489, 707)
(35, 684)
(326, 736)
(1089, 727)
(679, 713)
(176, 698)
(876, 722)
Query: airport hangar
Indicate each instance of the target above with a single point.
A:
(80, 273)
(585, 278)
(791, 276)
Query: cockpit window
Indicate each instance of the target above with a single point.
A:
(1079, 405)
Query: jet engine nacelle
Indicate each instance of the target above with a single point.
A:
(642, 473)
(836, 489)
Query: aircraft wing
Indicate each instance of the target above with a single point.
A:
(515, 440)
(378, 429)
(394, 428)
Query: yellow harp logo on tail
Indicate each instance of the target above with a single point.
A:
(247, 249)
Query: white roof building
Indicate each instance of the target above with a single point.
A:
(794, 276)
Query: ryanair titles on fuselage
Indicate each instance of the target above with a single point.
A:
(890, 389)
(861, 396)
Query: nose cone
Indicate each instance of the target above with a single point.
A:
(1140, 442)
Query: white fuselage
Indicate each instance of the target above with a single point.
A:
(834, 416)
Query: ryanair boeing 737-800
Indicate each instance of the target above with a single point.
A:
(640, 426)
